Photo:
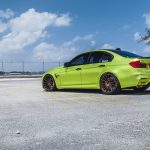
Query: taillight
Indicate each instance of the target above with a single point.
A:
(137, 64)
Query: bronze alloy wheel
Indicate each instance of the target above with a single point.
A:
(49, 83)
(109, 84)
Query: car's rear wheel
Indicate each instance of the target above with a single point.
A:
(49, 83)
(143, 88)
(109, 84)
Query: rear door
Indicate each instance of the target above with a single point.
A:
(91, 72)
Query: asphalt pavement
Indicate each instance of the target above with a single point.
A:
(32, 119)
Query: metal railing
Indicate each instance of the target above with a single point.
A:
(26, 67)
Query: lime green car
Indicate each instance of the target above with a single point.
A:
(107, 70)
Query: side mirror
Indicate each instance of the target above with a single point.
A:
(66, 64)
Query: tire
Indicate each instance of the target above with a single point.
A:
(109, 84)
(49, 83)
(140, 89)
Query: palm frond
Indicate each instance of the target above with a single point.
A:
(146, 38)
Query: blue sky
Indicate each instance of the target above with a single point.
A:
(27, 31)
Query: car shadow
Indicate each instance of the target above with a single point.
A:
(132, 92)
(91, 91)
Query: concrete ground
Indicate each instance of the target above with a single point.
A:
(32, 119)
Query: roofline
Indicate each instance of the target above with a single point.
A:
(105, 50)
(102, 50)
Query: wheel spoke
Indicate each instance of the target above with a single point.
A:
(48, 83)
(108, 83)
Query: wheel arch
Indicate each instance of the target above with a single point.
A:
(46, 76)
(114, 74)
(113, 86)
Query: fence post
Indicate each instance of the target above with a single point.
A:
(3, 66)
(43, 64)
(23, 67)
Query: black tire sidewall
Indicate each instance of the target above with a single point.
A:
(54, 87)
(116, 90)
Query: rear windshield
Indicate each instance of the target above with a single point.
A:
(126, 54)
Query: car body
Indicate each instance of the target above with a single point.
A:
(89, 70)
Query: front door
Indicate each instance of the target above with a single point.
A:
(71, 77)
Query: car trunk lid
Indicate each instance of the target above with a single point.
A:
(145, 60)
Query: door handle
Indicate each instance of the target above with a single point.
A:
(78, 69)
(101, 66)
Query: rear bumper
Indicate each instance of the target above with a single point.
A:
(132, 77)
(143, 78)
(143, 81)
(135, 80)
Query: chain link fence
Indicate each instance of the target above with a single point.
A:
(26, 67)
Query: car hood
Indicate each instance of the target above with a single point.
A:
(54, 70)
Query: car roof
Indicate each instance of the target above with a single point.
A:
(103, 50)
(117, 51)
(112, 50)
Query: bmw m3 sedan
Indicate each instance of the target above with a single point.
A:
(107, 70)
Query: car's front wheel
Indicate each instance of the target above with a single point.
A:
(49, 83)
(109, 84)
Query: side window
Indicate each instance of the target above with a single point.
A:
(99, 57)
(95, 57)
(79, 60)
(107, 57)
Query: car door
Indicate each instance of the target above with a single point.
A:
(91, 72)
(72, 74)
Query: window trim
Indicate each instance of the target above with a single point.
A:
(79, 56)
(112, 56)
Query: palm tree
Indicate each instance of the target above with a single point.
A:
(146, 38)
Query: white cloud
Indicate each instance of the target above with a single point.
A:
(147, 17)
(44, 51)
(28, 28)
(52, 53)
(8, 13)
(63, 20)
(93, 43)
(32, 21)
(3, 27)
(15, 42)
(106, 46)
(87, 37)
(137, 36)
